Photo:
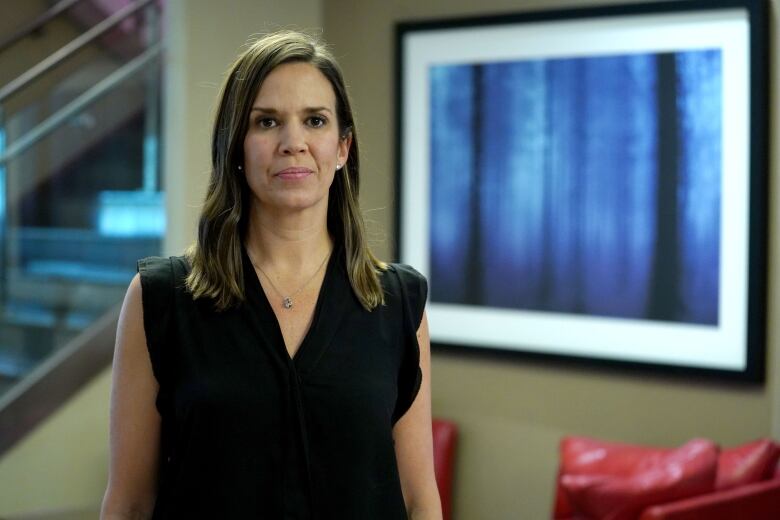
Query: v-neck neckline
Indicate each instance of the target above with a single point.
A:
(265, 311)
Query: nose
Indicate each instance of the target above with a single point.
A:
(293, 140)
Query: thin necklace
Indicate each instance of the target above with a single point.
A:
(287, 301)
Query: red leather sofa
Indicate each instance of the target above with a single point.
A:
(445, 439)
(599, 480)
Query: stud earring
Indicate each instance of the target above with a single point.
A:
(240, 168)
(338, 166)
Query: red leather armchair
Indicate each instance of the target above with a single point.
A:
(445, 438)
(759, 501)
(698, 481)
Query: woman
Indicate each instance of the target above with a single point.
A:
(278, 369)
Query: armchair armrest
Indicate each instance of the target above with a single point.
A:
(445, 438)
(759, 501)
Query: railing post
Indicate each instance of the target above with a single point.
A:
(151, 142)
(3, 221)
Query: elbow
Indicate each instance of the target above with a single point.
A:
(125, 514)
(114, 508)
(427, 508)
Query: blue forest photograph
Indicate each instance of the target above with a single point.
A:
(587, 185)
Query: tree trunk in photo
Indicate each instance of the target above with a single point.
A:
(664, 299)
(578, 165)
(474, 267)
(544, 297)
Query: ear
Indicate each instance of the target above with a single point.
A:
(344, 145)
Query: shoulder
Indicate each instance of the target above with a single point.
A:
(158, 269)
(161, 264)
(406, 272)
(409, 277)
(412, 287)
(161, 277)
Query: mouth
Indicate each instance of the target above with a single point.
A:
(294, 172)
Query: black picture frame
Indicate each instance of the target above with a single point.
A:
(730, 348)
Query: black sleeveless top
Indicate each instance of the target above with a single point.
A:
(248, 432)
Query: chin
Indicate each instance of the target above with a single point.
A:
(298, 202)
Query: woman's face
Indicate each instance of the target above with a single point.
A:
(292, 145)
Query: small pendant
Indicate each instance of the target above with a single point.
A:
(287, 302)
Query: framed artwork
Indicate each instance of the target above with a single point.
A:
(590, 184)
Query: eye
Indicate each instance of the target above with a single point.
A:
(317, 121)
(265, 122)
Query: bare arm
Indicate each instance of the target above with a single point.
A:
(135, 422)
(414, 444)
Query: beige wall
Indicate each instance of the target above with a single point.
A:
(773, 314)
(512, 413)
(63, 463)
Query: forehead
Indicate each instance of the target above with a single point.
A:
(296, 84)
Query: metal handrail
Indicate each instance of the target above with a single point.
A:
(50, 384)
(37, 23)
(50, 124)
(64, 52)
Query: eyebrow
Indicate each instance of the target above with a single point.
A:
(308, 110)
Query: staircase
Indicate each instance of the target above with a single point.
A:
(80, 197)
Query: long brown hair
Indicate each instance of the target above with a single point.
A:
(215, 258)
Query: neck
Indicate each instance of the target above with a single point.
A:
(287, 243)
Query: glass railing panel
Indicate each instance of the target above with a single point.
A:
(77, 209)
(62, 80)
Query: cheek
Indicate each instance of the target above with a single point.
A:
(331, 149)
(256, 148)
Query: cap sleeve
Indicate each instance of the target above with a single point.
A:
(156, 299)
(413, 293)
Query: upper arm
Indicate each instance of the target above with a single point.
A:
(414, 442)
(135, 421)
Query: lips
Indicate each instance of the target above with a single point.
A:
(294, 172)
